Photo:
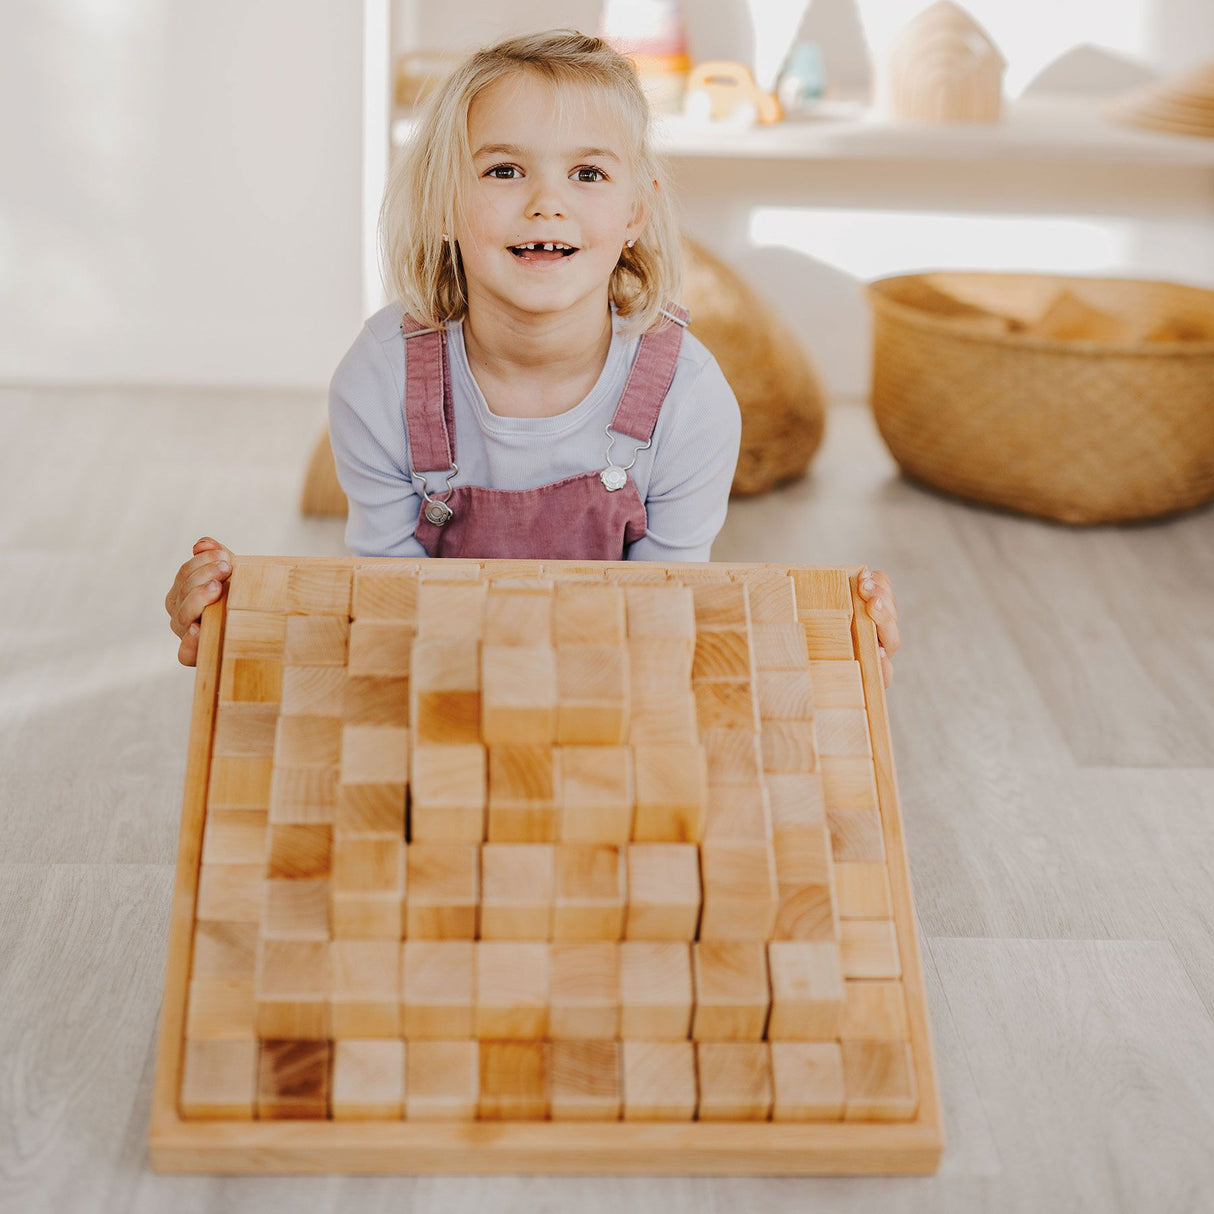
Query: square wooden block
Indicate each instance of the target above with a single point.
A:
(733, 757)
(450, 609)
(512, 989)
(663, 891)
(666, 611)
(731, 990)
(442, 891)
(303, 796)
(374, 754)
(307, 742)
(370, 811)
(863, 890)
(368, 887)
(234, 836)
(837, 684)
(256, 635)
(828, 637)
(806, 990)
(659, 1080)
(585, 989)
(824, 590)
(584, 1081)
(848, 782)
(518, 694)
(448, 794)
(592, 695)
(807, 1081)
(869, 948)
(772, 598)
(292, 986)
(445, 691)
(879, 1080)
(517, 891)
(586, 614)
(513, 1081)
(221, 1008)
(313, 691)
(240, 782)
(385, 594)
(517, 617)
(596, 797)
(737, 813)
(668, 719)
(590, 892)
(671, 794)
(372, 700)
(293, 1079)
(380, 648)
(523, 794)
(788, 746)
(442, 1080)
(224, 948)
(231, 892)
(438, 989)
(299, 851)
(368, 1080)
(319, 589)
(219, 1079)
(317, 640)
(856, 835)
(721, 605)
(656, 991)
(295, 910)
(779, 647)
(723, 655)
(365, 996)
(785, 695)
(735, 1080)
(246, 729)
(843, 731)
(250, 680)
(658, 666)
(874, 1010)
(740, 895)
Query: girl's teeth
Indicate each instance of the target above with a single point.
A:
(548, 248)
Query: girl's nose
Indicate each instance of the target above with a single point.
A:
(544, 201)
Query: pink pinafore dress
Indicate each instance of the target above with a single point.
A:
(592, 516)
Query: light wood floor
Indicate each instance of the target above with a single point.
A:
(1053, 720)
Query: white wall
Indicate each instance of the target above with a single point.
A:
(180, 190)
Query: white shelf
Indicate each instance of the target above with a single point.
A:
(1071, 130)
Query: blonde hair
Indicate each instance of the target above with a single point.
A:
(424, 193)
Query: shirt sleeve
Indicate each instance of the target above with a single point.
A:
(695, 457)
(367, 432)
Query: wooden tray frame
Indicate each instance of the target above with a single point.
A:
(178, 1145)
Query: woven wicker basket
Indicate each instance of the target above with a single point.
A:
(1080, 431)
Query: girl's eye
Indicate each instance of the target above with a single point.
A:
(501, 168)
(591, 169)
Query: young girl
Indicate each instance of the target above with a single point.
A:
(533, 391)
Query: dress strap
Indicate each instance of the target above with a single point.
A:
(429, 412)
(651, 376)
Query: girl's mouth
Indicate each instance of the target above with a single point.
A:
(542, 251)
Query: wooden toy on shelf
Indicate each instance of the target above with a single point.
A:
(507, 866)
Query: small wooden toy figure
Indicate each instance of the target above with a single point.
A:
(945, 68)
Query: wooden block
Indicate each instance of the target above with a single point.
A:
(445, 691)
(590, 892)
(293, 981)
(299, 850)
(517, 617)
(442, 891)
(874, 1011)
(740, 895)
(224, 948)
(785, 695)
(258, 585)
(450, 569)
(295, 910)
(731, 990)
(374, 754)
(856, 834)
(219, 1079)
(448, 794)
(843, 731)
(663, 720)
(659, 1080)
(722, 654)
(234, 836)
(368, 1080)
(806, 990)
(450, 609)
(293, 1080)
(513, 1081)
(438, 989)
(655, 990)
(837, 684)
(245, 729)
(240, 782)
(380, 648)
(585, 989)
(384, 594)
(694, 575)
(657, 667)
(779, 647)
(827, 637)
(370, 700)
(517, 891)
(663, 891)
(518, 694)
(523, 794)
(596, 794)
(848, 782)
(868, 948)
(636, 573)
(879, 1081)
(251, 680)
(230, 892)
(307, 742)
(256, 635)
(772, 599)
(441, 1080)
(304, 796)
(671, 794)
(797, 803)
(221, 1008)
(316, 589)
(721, 606)
(733, 756)
(807, 1081)
(807, 909)
(788, 747)
(592, 695)
(585, 614)
(735, 1080)
(863, 890)
(666, 611)
(365, 996)
(584, 1081)
(726, 706)
(370, 811)
(317, 640)
(737, 814)
(368, 887)
(823, 590)
(313, 691)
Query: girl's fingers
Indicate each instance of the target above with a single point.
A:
(187, 651)
(191, 606)
(887, 667)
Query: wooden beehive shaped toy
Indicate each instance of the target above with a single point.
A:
(501, 865)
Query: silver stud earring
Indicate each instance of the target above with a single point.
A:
(446, 237)
(631, 243)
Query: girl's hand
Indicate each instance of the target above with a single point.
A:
(878, 595)
(199, 582)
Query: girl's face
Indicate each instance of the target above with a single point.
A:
(537, 179)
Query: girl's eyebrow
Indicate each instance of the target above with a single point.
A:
(510, 149)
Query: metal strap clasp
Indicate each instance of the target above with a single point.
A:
(615, 476)
(436, 509)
